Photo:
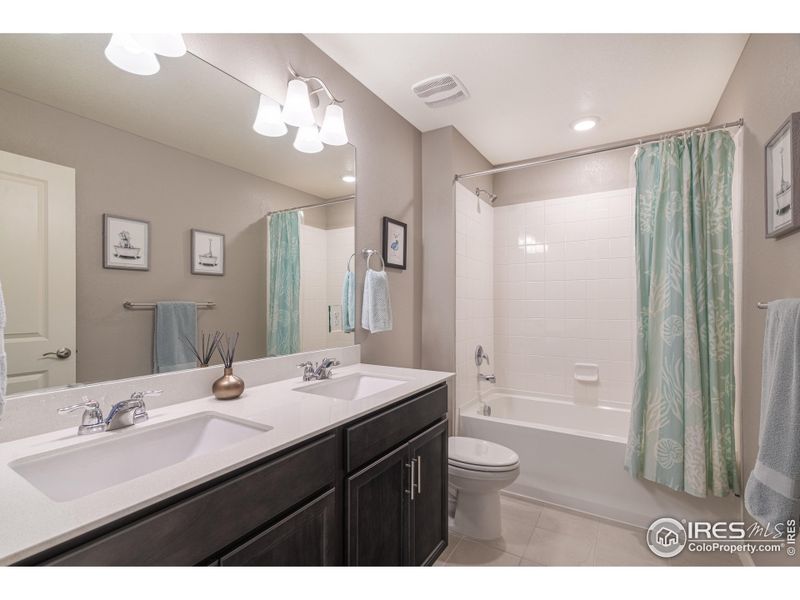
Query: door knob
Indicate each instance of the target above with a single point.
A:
(61, 353)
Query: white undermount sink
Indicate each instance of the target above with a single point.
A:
(351, 387)
(87, 468)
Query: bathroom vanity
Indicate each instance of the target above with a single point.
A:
(368, 488)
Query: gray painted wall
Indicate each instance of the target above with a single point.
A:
(445, 153)
(597, 173)
(764, 89)
(388, 155)
(123, 174)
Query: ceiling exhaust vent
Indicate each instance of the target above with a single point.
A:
(440, 90)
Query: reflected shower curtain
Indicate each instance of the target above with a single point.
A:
(283, 316)
(682, 417)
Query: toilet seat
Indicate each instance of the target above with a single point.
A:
(472, 454)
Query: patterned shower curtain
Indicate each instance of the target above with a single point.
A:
(283, 316)
(682, 418)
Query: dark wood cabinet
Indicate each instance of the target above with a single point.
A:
(428, 523)
(397, 506)
(306, 538)
(377, 512)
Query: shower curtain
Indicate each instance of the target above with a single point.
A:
(283, 317)
(682, 417)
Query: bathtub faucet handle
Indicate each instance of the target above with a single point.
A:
(480, 356)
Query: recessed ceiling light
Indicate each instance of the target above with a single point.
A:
(349, 178)
(585, 123)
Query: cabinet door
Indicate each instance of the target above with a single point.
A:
(377, 512)
(429, 507)
(306, 538)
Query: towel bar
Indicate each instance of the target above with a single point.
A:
(762, 305)
(152, 305)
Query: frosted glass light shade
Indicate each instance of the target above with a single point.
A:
(333, 132)
(307, 140)
(297, 109)
(124, 52)
(268, 118)
(165, 44)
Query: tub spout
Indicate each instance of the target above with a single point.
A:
(490, 378)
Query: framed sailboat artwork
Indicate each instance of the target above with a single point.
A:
(208, 253)
(783, 179)
(126, 243)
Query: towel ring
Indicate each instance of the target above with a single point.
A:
(349, 260)
(370, 253)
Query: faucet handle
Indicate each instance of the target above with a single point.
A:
(86, 405)
(92, 420)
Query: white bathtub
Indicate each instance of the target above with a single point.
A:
(572, 455)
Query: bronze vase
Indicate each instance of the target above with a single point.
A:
(229, 386)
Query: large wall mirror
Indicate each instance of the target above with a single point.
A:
(119, 191)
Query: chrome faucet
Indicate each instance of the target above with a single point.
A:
(320, 370)
(122, 414)
(490, 378)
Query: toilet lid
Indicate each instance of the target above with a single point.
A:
(471, 451)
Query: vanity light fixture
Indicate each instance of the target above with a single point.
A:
(585, 123)
(124, 52)
(333, 132)
(307, 140)
(349, 178)
(163, 44)
(268, 118)
(136, 52)
(297, 109)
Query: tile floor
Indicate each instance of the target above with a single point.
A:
(539, 535)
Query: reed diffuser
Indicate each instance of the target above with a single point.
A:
(229, 386)
(208, 345)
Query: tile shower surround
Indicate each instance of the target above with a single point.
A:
(563, 287)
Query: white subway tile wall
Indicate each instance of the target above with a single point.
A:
(323, 261)
(474, 291)
(564, 282)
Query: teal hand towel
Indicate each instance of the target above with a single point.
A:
(174, 321)
(376, 312)
(772, 494)
(349, 302)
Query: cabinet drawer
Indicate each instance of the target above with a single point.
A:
(371, 438)
(306, 538)
(194, 529)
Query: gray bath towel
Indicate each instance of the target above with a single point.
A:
(174, 321)
(772, 494)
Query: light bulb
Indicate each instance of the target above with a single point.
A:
(307, 140)
(124, 52)
(297, 109)
(165, 44)
(333, 132)
(268, 118)
(349, 178)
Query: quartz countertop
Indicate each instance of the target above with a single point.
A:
(30, 522)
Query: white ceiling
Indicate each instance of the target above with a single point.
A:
(188, 104)
(526, 89)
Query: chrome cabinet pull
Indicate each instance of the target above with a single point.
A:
(419, 475)
(411, 479)
(61, 353)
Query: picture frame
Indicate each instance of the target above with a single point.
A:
(395, 243)
(126, 243)
(208, 253)
(782, 179)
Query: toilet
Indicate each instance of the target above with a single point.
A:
(478, 470)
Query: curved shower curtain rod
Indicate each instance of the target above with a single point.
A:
(594, 150)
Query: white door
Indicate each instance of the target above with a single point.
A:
(37, 271)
